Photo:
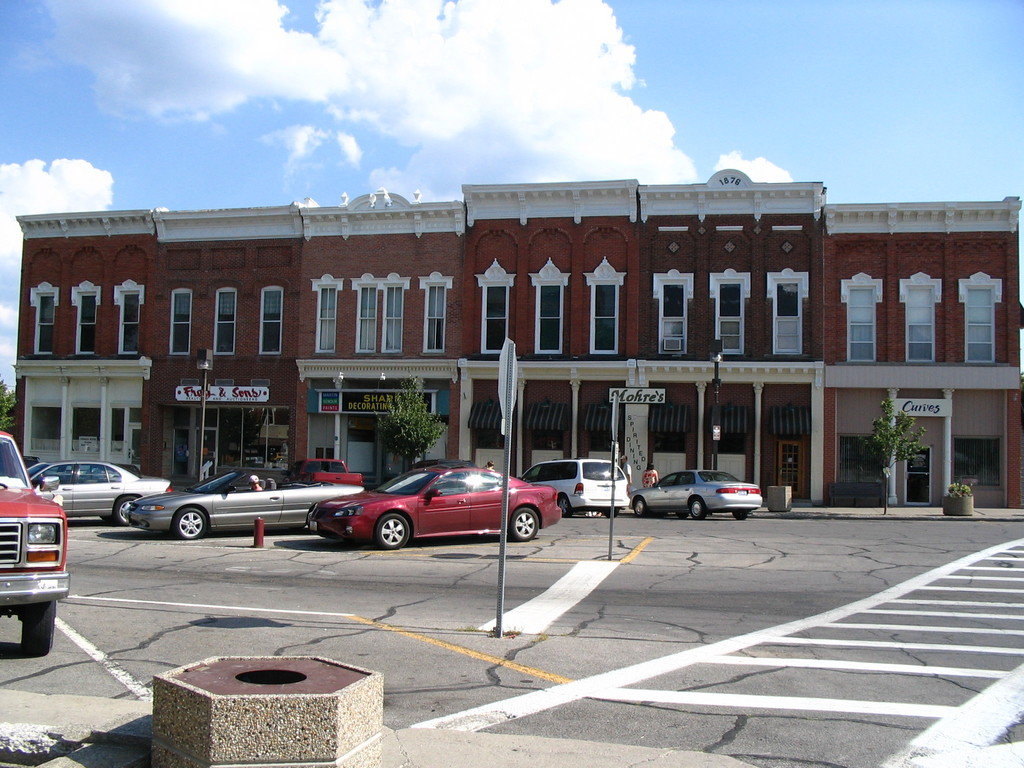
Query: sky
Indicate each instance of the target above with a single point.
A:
(200, 104)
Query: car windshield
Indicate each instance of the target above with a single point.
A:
(409, 483)
(12, 471)
(216, 484)
(717, 477)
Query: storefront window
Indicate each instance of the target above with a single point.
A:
(857, 462)
(976, 460)
(45, 428)
(489, 438)
(85, 429)
(249, 437)
(548, 439)
(669, 442)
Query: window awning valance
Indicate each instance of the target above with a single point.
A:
(548, 416)
(789, 420)
(485, 415)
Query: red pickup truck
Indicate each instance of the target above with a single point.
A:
(33, 553)
(324, 471)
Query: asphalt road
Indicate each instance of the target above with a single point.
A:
(653, 648)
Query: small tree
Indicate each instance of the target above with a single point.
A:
(409, 428)
(6, 407)
(893, 439)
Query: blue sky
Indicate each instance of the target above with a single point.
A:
(192, 104)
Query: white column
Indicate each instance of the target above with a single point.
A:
(574, 446)
(520, 406)
(465, 404)
(65, 416)
(947, 442)
(104, 420)
(817, 439)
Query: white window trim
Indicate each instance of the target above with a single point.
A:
(731, 277)
(234, 320)
(326, 281)
(661, 280)
(919, 280)
(393, 281)
(435, 280)
(549, 275)
(85, 288)
(494, 277)
(128, 287)
(43, 289)
(981, 280)
(862, 280)
(263, 319)
(605, 274)
(785, 277)
(170, 337)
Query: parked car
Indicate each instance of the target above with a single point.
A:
(697, 493)
(226, 503)
(98, 488)
(436, 501)
(451, 463)
(323, 471)
(582, 484)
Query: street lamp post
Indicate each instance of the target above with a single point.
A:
(204, 363)
(716, 415)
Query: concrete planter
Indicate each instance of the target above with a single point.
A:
(300, 712)
(958, 506)
(779, 498)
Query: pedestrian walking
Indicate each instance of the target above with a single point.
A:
(651, 476)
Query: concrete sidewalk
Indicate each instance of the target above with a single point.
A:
(68, 731)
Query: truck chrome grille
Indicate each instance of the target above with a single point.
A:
(10, 543)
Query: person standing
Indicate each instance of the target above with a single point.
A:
(627, 470)
(651, 476)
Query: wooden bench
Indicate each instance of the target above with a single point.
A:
(851, 494)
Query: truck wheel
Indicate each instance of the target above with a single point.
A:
(37, 622)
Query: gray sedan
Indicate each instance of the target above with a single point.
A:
(87, 488)
(697, 493)
(226, 503)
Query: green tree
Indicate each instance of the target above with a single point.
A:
(893, 439)
(7, 401)
(409, 428)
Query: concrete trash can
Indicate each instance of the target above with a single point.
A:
(298, 712)
(780, 498)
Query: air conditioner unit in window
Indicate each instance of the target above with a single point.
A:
(673, 345)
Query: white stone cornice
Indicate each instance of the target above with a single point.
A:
(384, 213)
(229, 224)
(731, 192)
(372, 368)
(576, 200)
(948, 217)
(113, 368)
(105, 223)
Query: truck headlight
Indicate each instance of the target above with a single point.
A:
(43, 533)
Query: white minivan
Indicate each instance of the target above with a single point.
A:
(582, 484)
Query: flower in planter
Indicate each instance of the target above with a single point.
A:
(959, 489)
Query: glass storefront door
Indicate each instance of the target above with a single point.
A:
(919, 478)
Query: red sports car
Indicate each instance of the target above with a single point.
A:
(436, 501)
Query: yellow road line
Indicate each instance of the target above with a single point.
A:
(637, 549)
(497, 660)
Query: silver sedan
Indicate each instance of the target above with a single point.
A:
(697, 493)
(87, 488)
(227, 503)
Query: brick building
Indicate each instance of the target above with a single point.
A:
(314, 315)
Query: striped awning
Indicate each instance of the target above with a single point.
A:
(548, 415)
(668, 418)
(789, 420)
(735, 419)
(485, 415)
(598, 418)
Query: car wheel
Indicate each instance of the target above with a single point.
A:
(190, 524)
(524, 524)
(698, 509)
(37, 622)
(565, 505)
(640, 508)
(392, 531)
(119, 512)
(740, 514)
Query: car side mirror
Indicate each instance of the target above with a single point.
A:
(48, 483)
(431, 493)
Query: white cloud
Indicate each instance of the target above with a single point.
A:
(759, 169)
(485, 90)
(300, 140)
(67, 185)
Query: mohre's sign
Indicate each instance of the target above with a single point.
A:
(218, 394)
(636, 395)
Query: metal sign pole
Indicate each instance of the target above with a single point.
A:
(507, 374)
(615, 471)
